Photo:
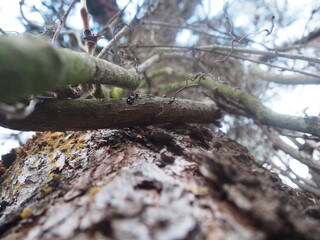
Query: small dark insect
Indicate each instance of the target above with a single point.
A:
(132, 97)
(138, 95)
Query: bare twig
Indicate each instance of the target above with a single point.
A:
(62, 22)
(177, 52)
(302, 40)
(26, 19)
(289, 170)
(3, 32)
(278, 143)
(77, 36)
(211, 48)
(260, 52)
(284, 79)
(19, 110)
(269, 64)
(157, 58)
(195, 28)
(128, 27)
(113, 23)
(299, 135)
(300, 182)
(274, 66)
(235, 38)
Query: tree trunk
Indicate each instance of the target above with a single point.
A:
(157, 182)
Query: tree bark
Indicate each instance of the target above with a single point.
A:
(87, 114)
(157, 182)
(30, 66)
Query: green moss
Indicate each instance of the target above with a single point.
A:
(117, 92)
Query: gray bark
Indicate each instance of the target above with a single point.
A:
(157, 182)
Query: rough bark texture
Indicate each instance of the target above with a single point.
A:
(157, 182)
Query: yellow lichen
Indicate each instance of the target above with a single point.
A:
(56, 135)
(25, 213)
(52, 160)
(81, 139)
(55, 176)
(47, 148)
(79, 146)
(46, 190)
(93, 192)
(71, 141)
(18, 186)
(17, 169)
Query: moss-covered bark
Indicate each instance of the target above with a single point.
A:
(264, 114)
(255, 109)
(30, 66)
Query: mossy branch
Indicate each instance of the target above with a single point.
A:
(30, 66)
(263, 114)
(253, 107)
(85, 114)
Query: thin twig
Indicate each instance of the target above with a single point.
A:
(129, 27)
(32, 24)
(3, 32)
(211, 48)
(271, 65)
(298, 181)
(63, 22)
(284, 79)
(76, 35)
(158, 57)
(113, 23)
(278, 143)
(194, 28)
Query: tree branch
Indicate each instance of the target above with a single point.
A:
(127, 28)
(210, 48)
(116, 38)
(300, 182)
(260, 52)
(264, 53)
(63, 22)
(85, 114)
(30, 66)
(283, 79)
(265, 115)
(278, 143)
(180, 52)
(196, 28)
(157, 58)
(282, 68)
